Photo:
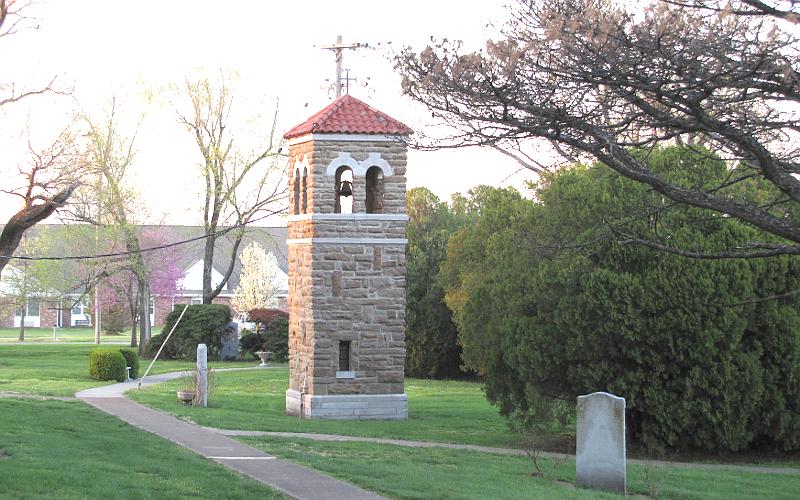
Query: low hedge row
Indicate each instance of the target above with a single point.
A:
(110, 364)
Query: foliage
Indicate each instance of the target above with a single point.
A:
(549, 302)
(251, 343)
(132, 360)
(432, 348)
(201, 324)
(272, 334)
(276, 333)
(597, 78)
(265, 316)
(115, 319)
(257, 287)
(107, 364)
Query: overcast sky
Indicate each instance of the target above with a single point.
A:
(133, 50)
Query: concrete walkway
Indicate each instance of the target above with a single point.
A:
(293, 480)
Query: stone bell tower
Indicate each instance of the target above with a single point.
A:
(347, 245)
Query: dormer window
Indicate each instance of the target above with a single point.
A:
(374, 185)
(343, 203)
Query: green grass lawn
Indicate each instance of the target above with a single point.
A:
(63, 370)
(449, 412)
(65, 450)
(455, 412)
(401, 472)
(62, 335)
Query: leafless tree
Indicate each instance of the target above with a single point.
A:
(108, 156)
(600, 81)
(48, 183)
(241, 184)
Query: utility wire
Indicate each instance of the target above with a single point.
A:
(220, 232)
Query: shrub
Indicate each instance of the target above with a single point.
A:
(201, 324)
(250, 343)
(276, 335)
(107, 364)
(272, 334)
(116, 319)
(701, 358)
(265, 316)
(132, 360)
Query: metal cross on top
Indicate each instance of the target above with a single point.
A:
(338, 49)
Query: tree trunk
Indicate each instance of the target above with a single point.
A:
(22, 323)
(144, 315)
(133, 334)
(208, 262)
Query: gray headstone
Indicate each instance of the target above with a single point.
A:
(230, 341)
(600, 461)
(202, 375)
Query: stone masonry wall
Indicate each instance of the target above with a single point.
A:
(359, 296)
(321, 188)
(340, 291)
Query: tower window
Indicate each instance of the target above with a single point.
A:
(344, 356)
(304, 198)
(296, 191)
(343, 203)
(374, 187)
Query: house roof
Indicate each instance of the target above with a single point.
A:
(79, 239)
(348, 115)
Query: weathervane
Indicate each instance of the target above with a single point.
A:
(338, 50)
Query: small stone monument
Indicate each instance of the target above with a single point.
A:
(600, 460)
(202, 376)
(230, 341)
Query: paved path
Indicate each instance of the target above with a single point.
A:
(294, 480)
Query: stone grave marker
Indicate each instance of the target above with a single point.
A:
(202, 376)
(600, 459)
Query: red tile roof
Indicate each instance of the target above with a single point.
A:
(348, 115)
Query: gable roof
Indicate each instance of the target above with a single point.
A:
(272, 239)
(348, 115)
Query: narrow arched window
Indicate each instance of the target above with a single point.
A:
(304, 201)
(343, 203)
(374, 185)
(296, 191)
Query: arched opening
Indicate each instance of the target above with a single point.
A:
(296, 191)
(374, 185)
(304, 196)
(344, 191)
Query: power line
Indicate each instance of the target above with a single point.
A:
(220, 232)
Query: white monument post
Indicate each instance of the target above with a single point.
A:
(600, 460)
(202, 375)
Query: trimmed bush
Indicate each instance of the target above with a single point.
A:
(250, 343)
(272, 334)
(201, 324)
(132, 360)
(107, 364)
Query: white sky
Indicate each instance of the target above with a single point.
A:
(127, 49)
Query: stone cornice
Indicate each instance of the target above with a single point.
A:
(347, 217)
(347, 241)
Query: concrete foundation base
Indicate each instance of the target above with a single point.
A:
(347, 407)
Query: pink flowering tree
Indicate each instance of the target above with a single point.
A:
(162, 268)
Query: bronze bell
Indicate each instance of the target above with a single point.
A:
(346, 189)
